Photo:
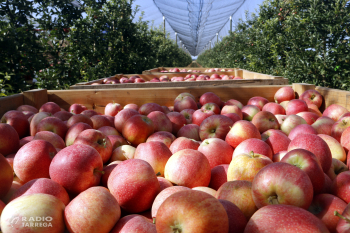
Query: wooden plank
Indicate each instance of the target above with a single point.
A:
(334, 96)
(239, 73)
(98, 99)
(36, 97)
(299, 88)
(236, 82)
(11, 102)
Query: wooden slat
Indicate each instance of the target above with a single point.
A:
(36, 97)
(98, 99)
(236, 82)
(11, 102)
(334, 96)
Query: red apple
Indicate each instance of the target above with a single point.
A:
(54, 125)
(76, 108)
(6, 176)
(9, 139)
(212, 107)
(188, 115)
(79, 118)
(254, 145)
(63, 115)
(316, 145)
(18, 121)
(284, 94)
(274, 108)
(134, 223)
(182, 143)
(298, 220)
(276, 139)
(160, 121)
(139, 196)
(188, 168)
(337, 167)
(217, 151)
(26, 107)
(137, 129)
(336, 148)
(218, 176)
(112, 109)
(264, 120)
(258, 101)
(234, 102)
(99, 121)
(301, 129)
(89, 113)
(164, 183)
(50, 107)
(210, 97)
(339, 127)
(74, 131)
(77, 168)
(177, 120)
(323, 125)
(162, 136)
(309, 117)
(240, 131)
(155, 153)
(282, 183)
(147, 108)
(187, 210)
(199, 116)
(295, 106)
(312, 97)
(122, 117)
(249, 111)
(122, 153)
(50, 137)
(33, 160)
(182, 102)
(236, 218)
(190, 131)
(100, 211)
(216, 126)
(334, 111)
(132, 106)
(290, 122)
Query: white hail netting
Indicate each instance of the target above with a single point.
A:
(196, 22)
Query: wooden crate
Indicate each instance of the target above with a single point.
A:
(99, 98)
(159, 69)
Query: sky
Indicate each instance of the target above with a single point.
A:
(155, 17)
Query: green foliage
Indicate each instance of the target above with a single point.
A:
(302, 40)
(60, 44)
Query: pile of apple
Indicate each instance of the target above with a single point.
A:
(165, 78)
(174, 70)
(201, 165)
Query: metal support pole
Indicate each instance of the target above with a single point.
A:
(209, 45)
(164, 26)
(230, 23)
(176, 37)
(217, 37)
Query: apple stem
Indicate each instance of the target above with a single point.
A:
(158, 174)
(154, 220)
(273, 200)
(102, 172)
(252, 154)
(104, 143)
(336, 213)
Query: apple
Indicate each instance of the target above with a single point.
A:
(182, 143)
(234, 102)
(50, 137)
(160, 121)
(218, 176)
(249, 111)
(309, 117)
(323, 125)
(307, 161)
(254, 145)
(76, 108)
(117, 141)
(26, 107)
(42, 185)
(122, 153)
(295, 106)
(162, 136)
(210, 97)
(274, 108)
(54, 125)
(232, 109)
(282, 183)
(189, 168)
(239, 193)
(212, 107)
(77, 168)
(155, 153)
(237, 220)
(166, 109)
(123, 116)
(264, 120)
(339, 127)
(337, 167)
(79, 118)
(324, 205)
(240, 131)
(244, 166)
(301, 129)
(345, 139)
(164, 183)
(18, 121)
(97, 140)
(258, 101)
(190, 131)
(134, 223)
(215, 126)
(9, 139)
(182, 102)
(337, 150)
(99, 121)
(284, 94)
(107, 170)
(109, 130)
(139, 196)
(22, 215)
(217, 151)
(199, 115)
(334, 111)
(6, 176)
(343, 225)
(33, 160)
(341, 186)
(206, 190)
(295, 220)
(112, 109)
(316, 145)
(63, 115)
(74, 131)
(187, 210)
(28, 115)
(147, 108)
(312, 97)
(137, 129)
(89, 113)
(163, 195)
(276, 139)
(177, 120)
(50, 107)
(132, 106)
(188, 115)
(290, 122)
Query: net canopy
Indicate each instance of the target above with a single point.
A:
(196, 25)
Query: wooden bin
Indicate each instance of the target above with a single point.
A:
(249, 78)
(99, 98)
